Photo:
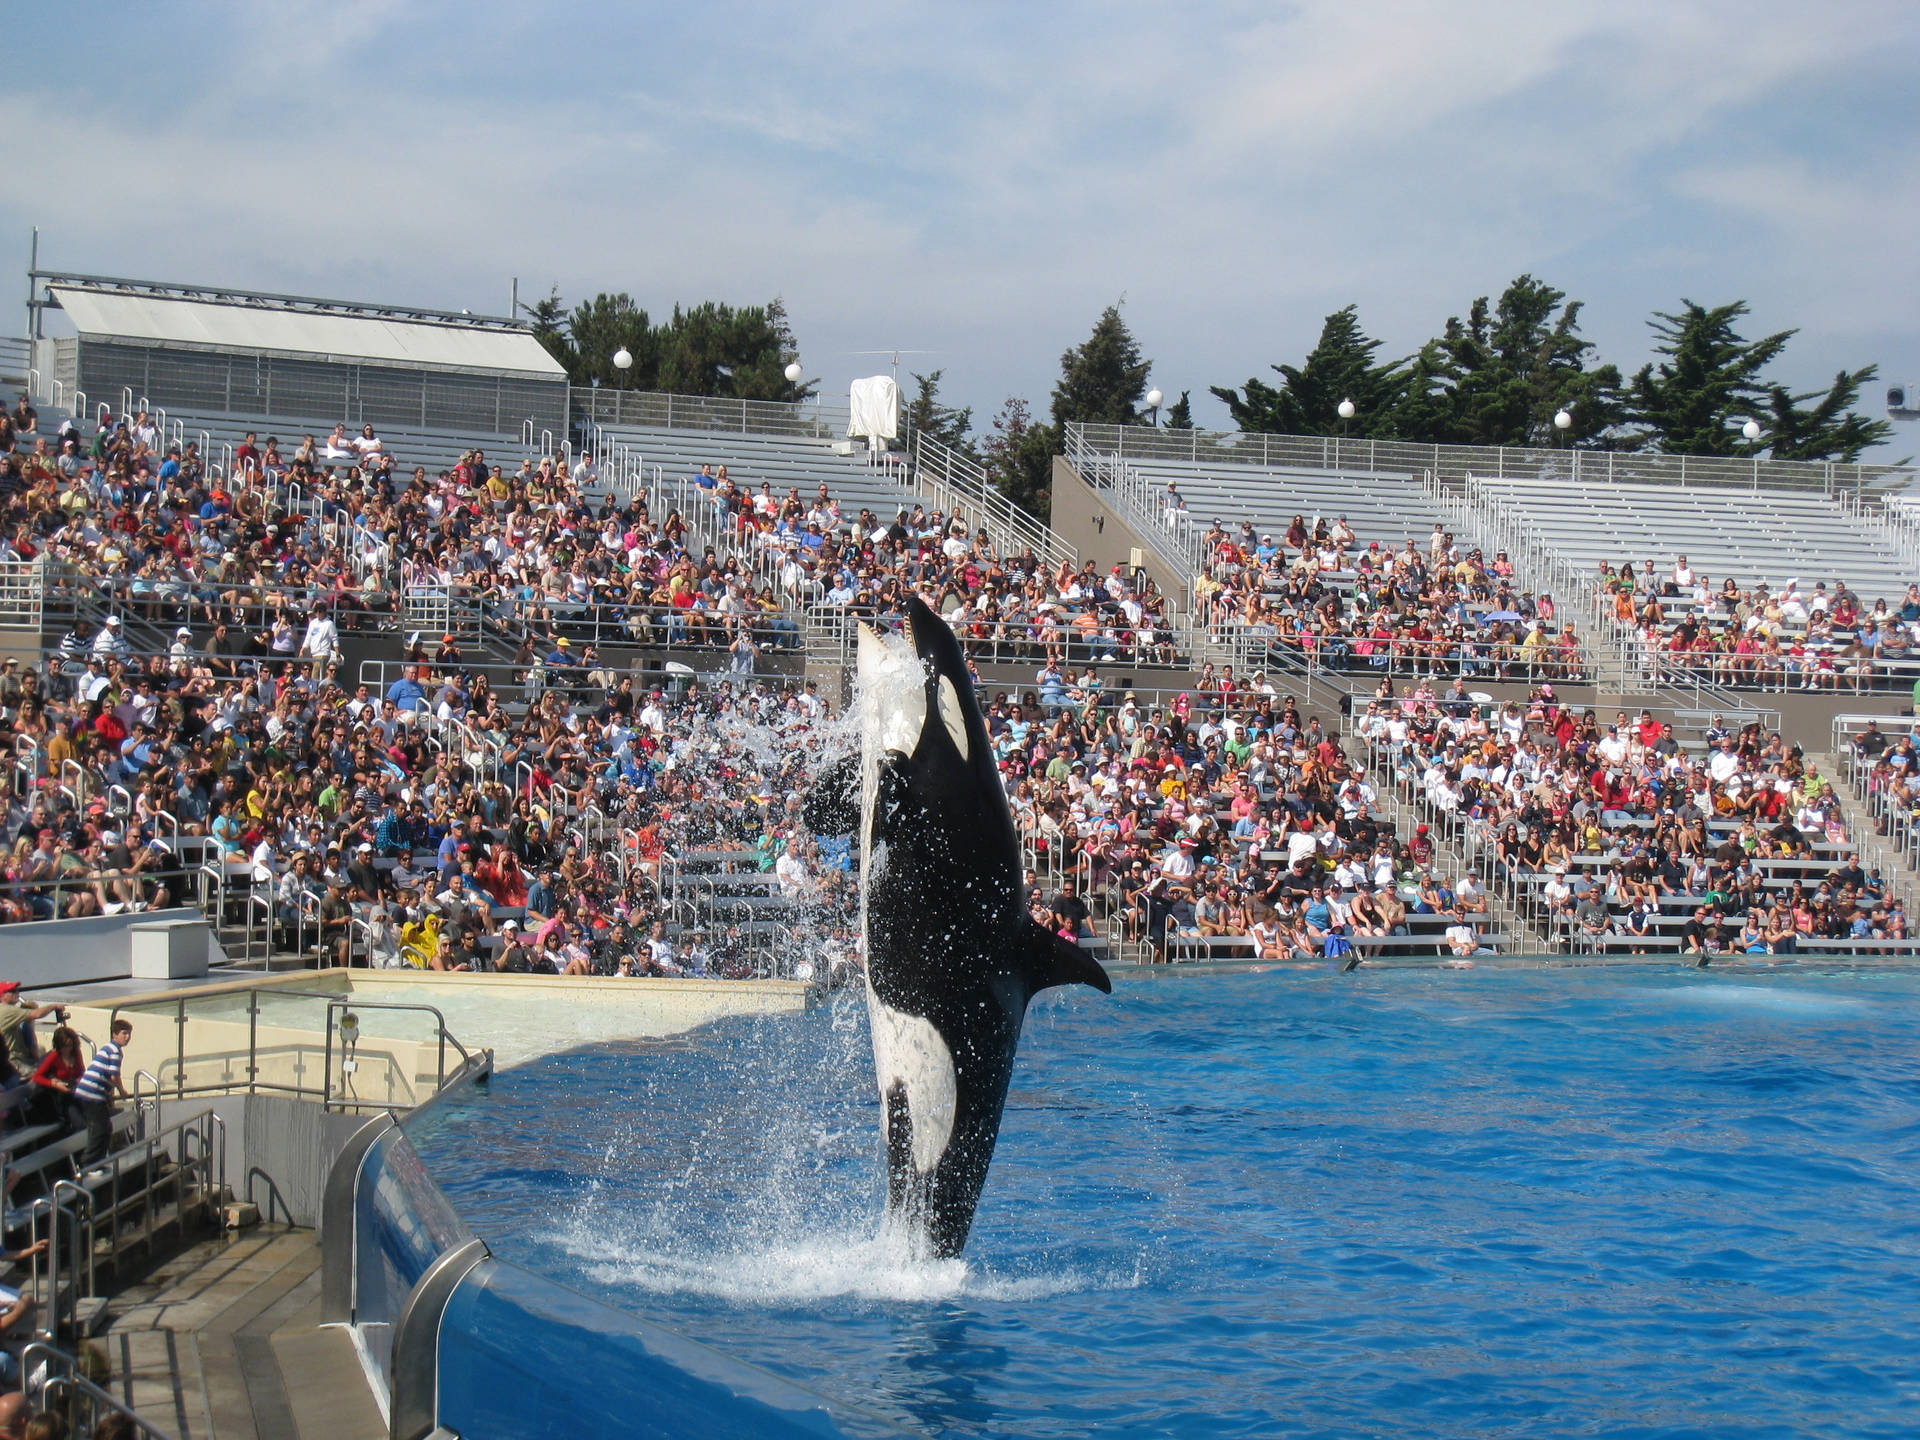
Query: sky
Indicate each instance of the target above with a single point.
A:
(973, 183)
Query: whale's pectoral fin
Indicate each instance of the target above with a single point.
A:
(1051, 960)
(832, 806)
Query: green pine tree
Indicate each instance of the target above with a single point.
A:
(1827, 431)
(1695, 400)
(1104, 379)
(1019, 456)
(1180, 413)
(1340, 367)
(1500, 376)
(927, 416)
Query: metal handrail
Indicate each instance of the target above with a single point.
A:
(336, 1005)
(86, 1404)
(1453, 462)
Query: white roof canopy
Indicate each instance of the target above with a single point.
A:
(212, 324)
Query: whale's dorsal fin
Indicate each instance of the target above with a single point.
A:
(832, 806)
(1051, 960)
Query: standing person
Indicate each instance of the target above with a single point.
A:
(16, 1027)
(59, 1071)
(98, 1087)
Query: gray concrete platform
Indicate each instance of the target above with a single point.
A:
(224, 1342)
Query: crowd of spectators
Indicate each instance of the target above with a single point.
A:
(1219, 813)
(1792, 638)
(1609, 830)
(1004, 606)
(1885, 769)
(1314, 592)
(430, 824)
(342, 529)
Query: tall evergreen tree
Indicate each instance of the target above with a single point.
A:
(1102, 380)
(1830, 430)
(1307, 402)
(1020, 455)
(1180, 413)
(1710, 378)
(549, 320)
(706, 349)
(926, 415)
(1500, 376)
(600, 327)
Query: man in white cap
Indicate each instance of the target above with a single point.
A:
(180, 653)
(110, 644)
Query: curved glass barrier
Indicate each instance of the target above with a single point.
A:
(402, 1223)
(523, 1356)
(479, 1347)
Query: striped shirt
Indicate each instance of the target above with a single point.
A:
(102, 1071)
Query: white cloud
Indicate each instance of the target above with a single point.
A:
(979, 180)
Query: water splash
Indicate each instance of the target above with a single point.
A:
(857, 1265)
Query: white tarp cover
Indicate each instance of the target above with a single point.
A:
(340, 337)
(874, 406)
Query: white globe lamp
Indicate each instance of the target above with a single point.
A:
(623, 359)
(1346, 410)
(1154, 397)
(794, 372)
(1751, 430)
(1562, 420)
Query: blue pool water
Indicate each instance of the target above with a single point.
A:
(1610, 1203)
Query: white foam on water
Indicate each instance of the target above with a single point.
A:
(1778, 998)
(871, 1267)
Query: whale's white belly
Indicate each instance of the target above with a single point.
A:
(908, 1051)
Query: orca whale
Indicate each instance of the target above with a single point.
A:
(952, 955)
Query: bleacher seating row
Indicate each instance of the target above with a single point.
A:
(1388, 508)
(435, 449)
(1754, 537)
(781, 462)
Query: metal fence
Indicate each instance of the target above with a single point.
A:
(21, 592)
(816, 419)
(1456, 462)
(274, 387)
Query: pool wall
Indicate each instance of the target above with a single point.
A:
(452, 1337)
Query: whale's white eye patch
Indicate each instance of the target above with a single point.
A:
(953, 716)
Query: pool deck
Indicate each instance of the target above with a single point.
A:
(224, 1340)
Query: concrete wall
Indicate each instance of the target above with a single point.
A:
(21, 643)
(70, 952)
(279, 1150)
(1102, 534)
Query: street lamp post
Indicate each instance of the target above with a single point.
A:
(1562, 422)
(1154, 397)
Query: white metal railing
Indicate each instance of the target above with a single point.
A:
(1895, 523)
(22, 593)
(968, 486)
(1456, 462)
(818, 418)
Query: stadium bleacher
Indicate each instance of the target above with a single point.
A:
(782, 462)
(435, 450)
(1755, 537)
